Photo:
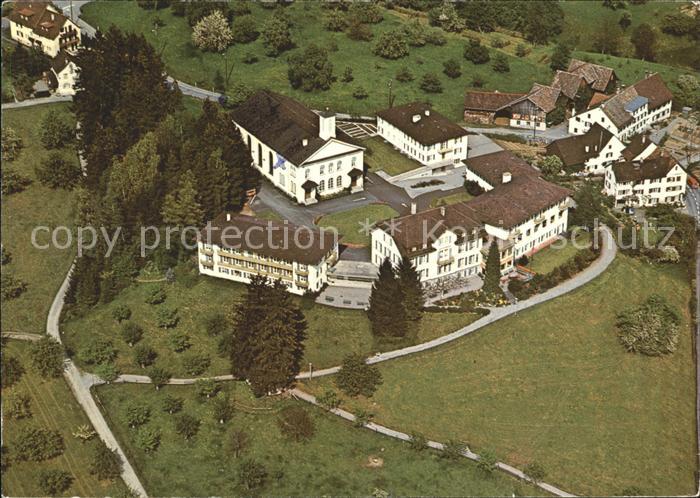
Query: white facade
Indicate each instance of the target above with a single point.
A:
(66, 78)
(528, 123)
(29, 37)
(610, 153)
(451, 151)
(642, 120)
(241, 265)
(329, 168)
(650, 191)
(447, 258)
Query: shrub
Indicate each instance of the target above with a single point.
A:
(357, 377)
(106, 462)
(107, 372)
(499, 43)
(206, 388)
(148, 439)
(47, 357)
(358, 31)
(121, 312)
(334, 21)
(360, 93)
(651, 328)
(500, 64)
(131, 333)
(310, 69)
(18, 405)
(436, 37)
(179, 341)
(366, 12)
(475, 52)
(159, 376)
(55, 131)
(54, 481)
(276, 37)
(137, 414)
(212, 33)
(347, 75)
(12, 182)
(452, 68)
(186, 425)
(296, 424)
(415, 33)
(222, 408)
(97, 350)
(35, 445)
(243, 29)
(11, 370)
(155, 295)
(11, 287)
(521, 50)
(391, 45)
(196, 363)
(404, 75)
(487, 461)
(57, 172)
(252, 475)
(328, 399)
(430, 83)
(418, 442)
(172, 404)
(362, 418)
(453, 449)
(167, 318)
(535, 471)
(144, 356)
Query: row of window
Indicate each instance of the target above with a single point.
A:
(331, 184)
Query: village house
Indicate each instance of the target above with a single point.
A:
(424, 135)
(300, 151)
(42, 26)
(659, 180)
(590, 153)
(489, 107)
(601, 79)
(63, 75)
(629, 112)
(237, 247)
(519, 211)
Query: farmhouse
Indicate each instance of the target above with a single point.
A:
(631, 111)
(599, 78)
(423, 134)
(238, 247)
(300, 151)
(519, 211)
(63, 75)
(41, 25)
(489, 107)
(659, 180)
(590, 153)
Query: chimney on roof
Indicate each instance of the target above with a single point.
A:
(416, 118)
(326, 125)
(228, 216)
(305, 142)
(414, 208)
(507, 177)
(442, 210)
(427, 112)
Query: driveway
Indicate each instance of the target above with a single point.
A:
(550, 134)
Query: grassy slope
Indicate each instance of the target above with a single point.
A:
(53, 407)
(553, 385)
(42, 270)
(332, 333)
(381, 155)
(350, 223)
(333, 462)
(553, 256)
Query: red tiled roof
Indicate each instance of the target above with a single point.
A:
(41, 17)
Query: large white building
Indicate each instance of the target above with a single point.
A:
(299, 151)
(629, 112)
(423, 134)
(519, 211)
(237, 247)
(41, 25)
(659, 180)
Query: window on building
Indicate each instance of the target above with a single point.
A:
(321, 186)
(330, 183)
(339, 181)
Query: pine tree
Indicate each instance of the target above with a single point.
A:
(411, 288)
(492, 277)
(181, 208)
(386, 312)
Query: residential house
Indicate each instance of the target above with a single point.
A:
(659, 180)
(599, 78)
(237, 247)
(300, 151)
(424, 135)
(63, 75)
(639, 148)
(590, 153)
(629, 112)
(519, 211)
(41, 25)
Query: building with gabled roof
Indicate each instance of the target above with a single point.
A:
(63, 75)
(590, 153)
(41, 25)
(657, 180)
(416, 130)
(300, 151)
(629, 112)
(600, 78)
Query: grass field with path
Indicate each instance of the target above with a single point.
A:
(53, 407)
(553, 385)
(332, 333)
(334, 462)
(187, 63)
(351, 224)
(42, 270)
(382, 156)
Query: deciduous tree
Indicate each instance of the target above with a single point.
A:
(212, 33)
(356, 377)
(310, 69)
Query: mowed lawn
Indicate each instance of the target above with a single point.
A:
(382, 156)
(53, 407)
(335, 461)
(451, 199)
(558, 253)
(42, 270)
(553, 385)
(332, 332)
(354, 224)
